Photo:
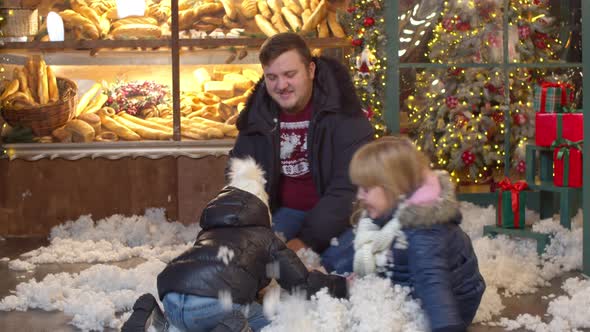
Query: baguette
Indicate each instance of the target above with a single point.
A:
(90, 14)
(145, 123)
(215, 21)
(230, 10)
(52, 85)
(264, 9)
(114, 126)
(249, 8)
(323, 30)
(134, 20)
(21, 76)
(42, 85)
(143, 131)
(291, 18)
(104, 26)
(106, 136)
(305, 4)
(96, 104)
(265, 26)
(335, 26)
(11, 89)
(279, 23)
(236, 100)
(318, 15)
(230, 24)
(80, 23)
(305, 15)
(293, 6)
(86, 98)
(31, 72)
(313, 4)
(275, 6)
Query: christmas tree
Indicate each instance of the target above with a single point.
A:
(458, 116)
(366, 27)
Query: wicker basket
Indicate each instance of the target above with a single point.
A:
(43, 119)
(20, 22)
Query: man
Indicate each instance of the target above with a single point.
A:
(302, 124)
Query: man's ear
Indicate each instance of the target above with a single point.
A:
(311, 70)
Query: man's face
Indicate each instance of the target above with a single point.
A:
(289, 81)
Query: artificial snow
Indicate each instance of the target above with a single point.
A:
(101, 296)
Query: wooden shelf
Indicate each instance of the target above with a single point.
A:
(158, 43)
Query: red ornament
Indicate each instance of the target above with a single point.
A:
(364, 68)
(357, 42)
(460, 120)
(521, 166)
(540, 40)
(498, 117)
(451, 101)
(369, 112)
(468, 157)
(351, 9)
(448, 24)
(463, 26)
(519, 119)
(368, 22)
(524, 31)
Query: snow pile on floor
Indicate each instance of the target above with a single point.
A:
(111, 239)
(373, 306)
(96, 297)
(92, 297)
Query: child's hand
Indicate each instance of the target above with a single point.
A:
(350, 279)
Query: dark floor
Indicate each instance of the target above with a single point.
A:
(38, 320)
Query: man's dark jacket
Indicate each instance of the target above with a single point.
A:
(337, 129)
(235, 252)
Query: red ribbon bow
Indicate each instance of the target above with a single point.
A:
(515, 189)
(563, 86)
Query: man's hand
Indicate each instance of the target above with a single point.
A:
(296, 245)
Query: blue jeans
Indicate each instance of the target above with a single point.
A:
(288, 222)
(201, 314)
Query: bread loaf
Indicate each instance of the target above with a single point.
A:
(293, 6)
(92, 119)
(81, 131)
(79, 23)
(222, 89)
(239, 81)
(220, 71)
(251, 74)
(137, 31)
(42, 85)
(323, 30)
(62, 135)
(274, 5)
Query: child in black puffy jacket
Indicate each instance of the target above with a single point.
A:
(221, 275)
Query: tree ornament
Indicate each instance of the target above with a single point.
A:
(448, 24)
(524, 31)
(460, 120)
(498, 117)
(352, 9)
(357, 42)
(452, 101)
(519, 119)
(368, 22)
(468, 157)
(369, 112)
(521, 166)
(364, 63)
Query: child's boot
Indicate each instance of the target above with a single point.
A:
(146, 313)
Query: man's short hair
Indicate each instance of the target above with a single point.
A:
(280, 43)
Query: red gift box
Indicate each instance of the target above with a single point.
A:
(567, 162)
(552, 126)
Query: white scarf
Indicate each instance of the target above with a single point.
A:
(372, 244)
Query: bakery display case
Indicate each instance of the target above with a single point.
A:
(135, 78)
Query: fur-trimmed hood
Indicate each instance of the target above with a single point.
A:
(440, 210)
(333, 91)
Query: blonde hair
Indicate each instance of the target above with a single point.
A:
(391, 162)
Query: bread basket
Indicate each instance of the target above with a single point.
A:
(43, 119)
